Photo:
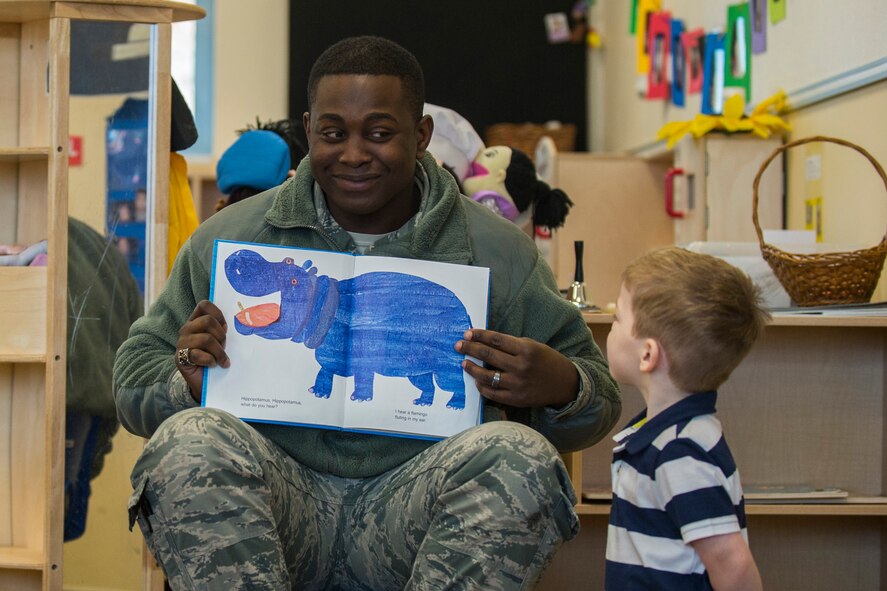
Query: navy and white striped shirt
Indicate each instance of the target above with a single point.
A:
(674, 482)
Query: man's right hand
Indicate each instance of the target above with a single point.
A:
(201, 344)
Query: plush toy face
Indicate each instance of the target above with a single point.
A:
(488, 171)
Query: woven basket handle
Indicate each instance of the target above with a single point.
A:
(807, 140)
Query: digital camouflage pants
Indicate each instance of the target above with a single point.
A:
(221, 507)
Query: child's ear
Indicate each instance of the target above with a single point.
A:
(651, 355)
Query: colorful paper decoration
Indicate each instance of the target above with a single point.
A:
(694, 51)
(633, 25)
(737, 72)
(646, 8)
(659, 42)
(678, 63)
(776, 10)
(763, 121)
(758, 12)
(713, 74)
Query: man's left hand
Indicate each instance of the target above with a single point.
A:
(530, 374)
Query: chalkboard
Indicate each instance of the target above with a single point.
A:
(488, 60)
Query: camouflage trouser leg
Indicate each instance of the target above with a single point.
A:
(210, 493)
(223, 508)
(485, 510)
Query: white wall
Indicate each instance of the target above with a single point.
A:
(251, 70)
(814, 42)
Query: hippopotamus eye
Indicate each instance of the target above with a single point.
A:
(294, 281)
(288, 261)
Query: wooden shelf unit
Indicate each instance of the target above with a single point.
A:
(33, 207)
(808, 406)
(34, 98)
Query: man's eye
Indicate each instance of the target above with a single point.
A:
(332, 134)
(380, 135)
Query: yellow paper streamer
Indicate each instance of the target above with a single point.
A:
(763, 121)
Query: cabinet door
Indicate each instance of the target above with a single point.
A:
(618, 213)
(713, 190)
(689, 192)
(731, 165)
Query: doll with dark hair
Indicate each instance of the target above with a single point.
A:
(504, 179)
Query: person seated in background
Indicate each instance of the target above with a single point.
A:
(262, 157)
(683, 323)
(225, 504)
(103, 301)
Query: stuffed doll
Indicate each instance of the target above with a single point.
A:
(454, 143)
(504, 179)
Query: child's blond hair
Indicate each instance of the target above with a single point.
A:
(705, 313)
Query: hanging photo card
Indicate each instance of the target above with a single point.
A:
(678, 63)
(557, 28)
(694, 52)
(633, 18)
(646, 9)
(659, 41)
(776, 9)
(738, 49)
(713, 75)
(758, 17)
(349, 342)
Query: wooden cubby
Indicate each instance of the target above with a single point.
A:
(34, 95)
(807, 406)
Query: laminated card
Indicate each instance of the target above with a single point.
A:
(341, 341)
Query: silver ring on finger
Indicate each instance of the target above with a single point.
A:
(183, 356)
(497, 377)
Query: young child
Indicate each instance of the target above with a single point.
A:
(683, 322)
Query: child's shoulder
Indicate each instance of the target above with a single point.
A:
(702, 430)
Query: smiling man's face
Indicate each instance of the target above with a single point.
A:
(364, 142)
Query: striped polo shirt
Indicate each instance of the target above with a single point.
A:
(674, 481)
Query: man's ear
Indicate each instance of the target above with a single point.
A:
(306, 123)
(424, 131)
(651, 356)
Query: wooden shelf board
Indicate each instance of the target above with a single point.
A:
(23, 314)
(853, 506)
(20, 558)
(16, 357)
(598, 319)
(19, 11)
(24, 154)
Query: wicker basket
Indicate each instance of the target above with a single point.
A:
(823, 279)
(525, 136)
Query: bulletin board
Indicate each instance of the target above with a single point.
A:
(488, 60)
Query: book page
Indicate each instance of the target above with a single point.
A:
(273, 326)
(313, 341)
(406, 319)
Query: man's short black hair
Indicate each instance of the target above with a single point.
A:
(373, 56)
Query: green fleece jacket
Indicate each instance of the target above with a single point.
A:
(524, 301)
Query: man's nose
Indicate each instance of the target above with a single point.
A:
(354, 152)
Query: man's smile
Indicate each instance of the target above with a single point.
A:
(355, 182)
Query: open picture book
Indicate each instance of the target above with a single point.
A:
(341, 341)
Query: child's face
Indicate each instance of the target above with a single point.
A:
(624, 350)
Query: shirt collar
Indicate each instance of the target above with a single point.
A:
(332, 227)
(694, 405)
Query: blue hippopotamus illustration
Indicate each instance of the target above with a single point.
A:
(386, 323)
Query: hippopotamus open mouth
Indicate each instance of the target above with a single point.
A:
(259, 316)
